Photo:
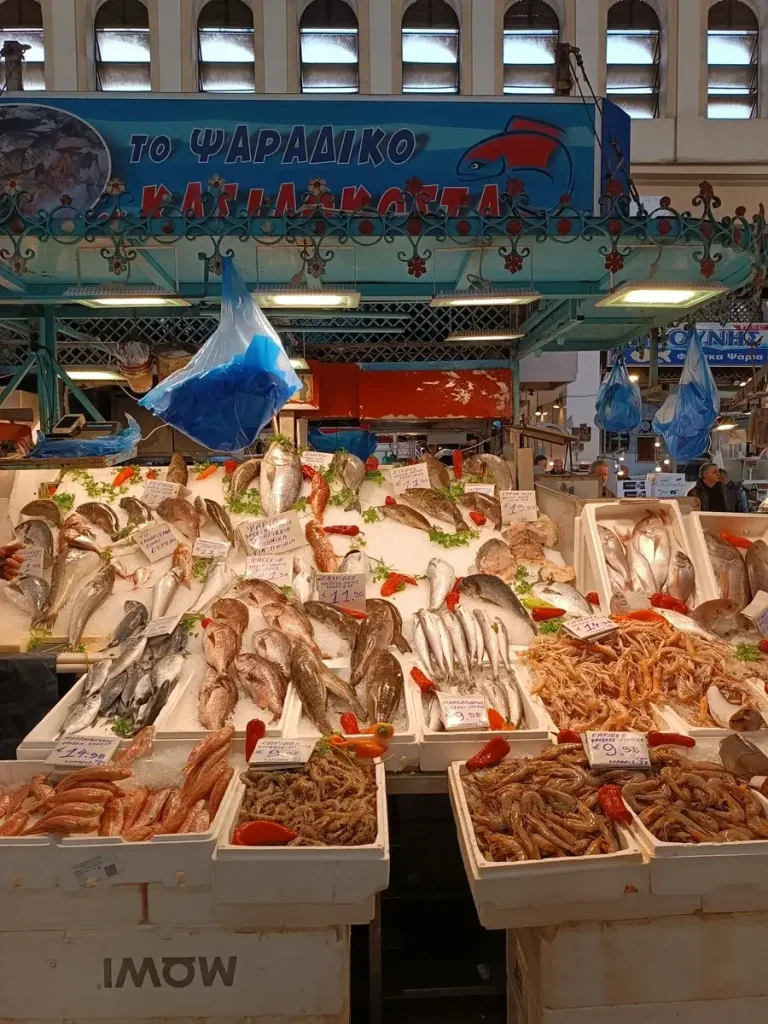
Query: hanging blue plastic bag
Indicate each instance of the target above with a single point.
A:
(619, 405)
(688, 415)
(236, 383)
(121, 446)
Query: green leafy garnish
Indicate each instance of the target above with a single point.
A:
(283, 440)
(65, 501)
(474, 478)
(453, 540)
(343, 498)
(375, 476)
(106, 555)
(100, 491)
(301, 505)
(521, 584)
(191, 621)
(287, 590)
(549, 626)
(383, 572)
(495, 627)
(747, 652)
(200, 467)
(370, 515)
(453, 491)
(361, 542)
(123, 727)
(329, 473)
(249, 503)
(38, 637)
(201, 567)
(80, 648)
(125, 532)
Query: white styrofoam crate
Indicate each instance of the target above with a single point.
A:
(25, 862)
(309, 876)
(530, 884)
(54, 907)
(751, 525)
(678, 723)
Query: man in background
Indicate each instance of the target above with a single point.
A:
(709, 489)
(558, 468)
(540, 465)
(735, 490)
(599, 469)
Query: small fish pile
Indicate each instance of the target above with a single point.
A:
(543, 807)
(687, 801)
(100, 801)
(648, 561)
(331, 801)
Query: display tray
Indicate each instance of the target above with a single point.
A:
(750, 525)
(28, 862)
(309, 876)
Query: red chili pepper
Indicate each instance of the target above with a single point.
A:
(641, 615)
(51, 489)
(123, 475)
(205, 623)
(255, 730)
(349, 724)
(543, 614)
(478, 518)
(453, 596)
(384, 731)
(593, 597)
(396, 582)
(209, 471)
(230, 466)
(342, 531)
(495, 720)
(354, 612)
(152, 474)
(568, 736)
(612, 802)
(458, 463)
(262, 833)
(764, 646)
(738, 542)
(495, 750)
(670, 603)
(371, 464)
(308, 472)
(672, 739)
(389, 500)
(423, 682)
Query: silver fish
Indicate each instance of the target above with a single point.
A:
(757, 566)
(176, 643)
(219, 516)
(220, 579)
(490, 640)
(615, 555)
(681, 577)
(168, 669)
(137, 511)
(355, 561)
(134, 619)
(141, 576)
(154, 706)
(434, 638)
(495, 591)
(685, 624)
(640, 572)
(446, 645)
(458, 642)
(71, 566)
(81, 715)
(28, 593)
(279, 479)
(563, 596)
(421, 644)
(469, 625)
(303, 583)
(100, 515)
(36, 533)
(651, 538)
(441, 578)
(350, 470)
(111, 692)
(91, 597)
(163, 592)
(503, 637)
(492, 464)
(730, 570)
(514, 702)
(96, 676)
(44, 508)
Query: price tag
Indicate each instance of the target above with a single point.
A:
(590, 627)
(488, 489)
(617, 749)
(84, 751)
(277, 533)
(275, 569)
(404, 477)
(463, 712)
(97, 869)
(156, 541)
(518, 506)
(279, 753)
(317, 460)
(160, 627)
(156, 491)
(33, 562)
(346, 588)
(211, 548)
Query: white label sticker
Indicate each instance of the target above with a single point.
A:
(317, 460)
(159, 627)
(404, 477)
(105, 868)
(518, 506)
(463, 712)
(84, 751)
(275, 569)
(277, 533)
(617, 749)
(667, 485)
(211, 548)
(156, 541)
(488, 489)
(279, 753)
(590, 626)
(33, 561)
(156, 491)
(344, 588)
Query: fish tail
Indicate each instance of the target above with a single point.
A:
(354, 505)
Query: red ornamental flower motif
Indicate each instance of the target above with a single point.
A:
(319, 226)
(414, 226)
(707, 267)
(215, 264)
(16, 226)
(317, 186)
(417, 266)
(168, 227)
(706, 190)
(413, 186)
(614, 226)
(515, 187)
(665, 202)
(12, 185)
(664, 225)
(114, 187)
(614, 261)
(565, 199)
(116, 265)
(513, 262)
(514, 227)
(65, 200)
(463, 227)
(740, 211)
(564, 226)
(366, 227)
(316, 267)
(614, 188)
(706, 230)
(216, 182)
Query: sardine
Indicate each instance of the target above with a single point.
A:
(36, 533)
(757, 566)
(405, 516)
(163, 593)
(491, 641)
(81, 715)
(441, 577)
(430, 503)
(503, 637)
(729, 569)
(458, 642)
(137, 511)
(384, 686)
(263, 681)
(375, 634)
(563, 596)
(307, 678)
(219, 516)
(343, 691)
(130, 652)
(242, 476)
(397, 622)
(615, 555)
(177, 472)
(438, 473)
(279, 479)
(179, 513)
(496, 467)
(43, 508)
(337, 620)
(469, 625)
(275, 647)
(133, 621)
(220, 579)
(355, 561)
(350, 470)
(487, 506)
(681, 577)
(29, 593)
(322, 549)
(70, 567)
(494, 591)
(421, 645)
(221, 644)
(651, 539)
(495, 559)
(101, 515)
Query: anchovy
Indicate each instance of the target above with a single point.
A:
(490, 640)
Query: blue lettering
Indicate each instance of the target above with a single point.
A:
(139, 144)
(369, 147)
(324, 149)
(267, 144)
(239, 151)
(345, 146)
(402, 145)
(160, 149)
(296, 146)
(206, 142)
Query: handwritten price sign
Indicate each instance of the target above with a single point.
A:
(590, 627)
(33, 562)
(488, 489)
(617, 750)
(463, 712)
(404, 477)
(156, 541)
(84, 751)
(211, 548)
(518, 506)
(156, 491)
(344, 588)
(277, 533)
(163, 626)
(317, 460)
(278, 753)
(272, 568)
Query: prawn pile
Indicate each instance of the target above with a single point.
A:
(617, 682)
(329, 802)
(542, 807)
(687, 801)
(93, 800)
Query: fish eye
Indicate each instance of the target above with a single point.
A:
(475, 165)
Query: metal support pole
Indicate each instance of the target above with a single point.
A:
(375, 983)
(514, 366)
(47, 381)
(17, 378)
(91, 409)
(653, 357)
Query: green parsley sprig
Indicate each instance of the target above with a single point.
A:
(200, 568)
(65, 500)
(747, 652)
(453, 540)
(247, 503)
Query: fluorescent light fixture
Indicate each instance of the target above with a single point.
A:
(660, 294)
(657, 444)
(86, 373)
(658, 469)
(307, 298)
(621, 458)
(485, 336)
(634, 378)
(537, 413)
(726, 425)
(115, 296)
(555, 405)
(300, 364)
(743, 383)
(508, 297)
(666, 462)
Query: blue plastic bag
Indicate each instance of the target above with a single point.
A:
(122, 444)
(619, 405)
(361, 443)
(688, 415)
(236, 383)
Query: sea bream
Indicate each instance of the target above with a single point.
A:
(441, 577)
(36, 533)
(730, 570)
(279, 478)
(681, 577)
(494, 591)
(615, 556)
(495, 467)
(350, 470)
(563, 596)
(29, 593)
(651, 539)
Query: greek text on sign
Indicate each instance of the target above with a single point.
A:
(463, 712)
(518, 506)
(33, 561)
(344, 588)
(488, 489)
(156, 491)
(96, 869)
(405, 477)
(156, 541)
(277, 533)
(162, 626)
(84, 751)
(211, 548)
(617, 749)
(272, 568)
(590, 627)
(317, 460)
(279, 753)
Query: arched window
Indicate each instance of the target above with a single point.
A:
(430, 47)
(531, 35)
(633, 57)
(22, 20)
(225, 47)
(732, 60)
(122, 46)
(328, 44)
